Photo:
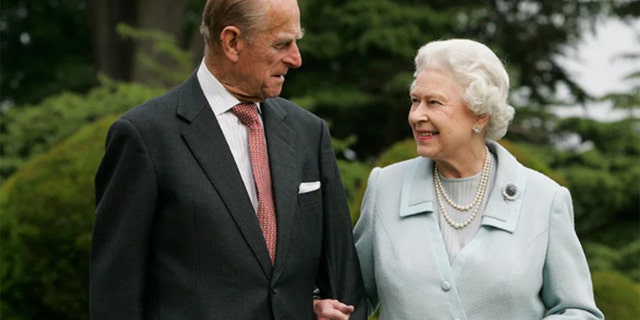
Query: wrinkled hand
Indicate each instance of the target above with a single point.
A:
(328, 309)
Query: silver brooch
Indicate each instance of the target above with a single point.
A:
(510, 192)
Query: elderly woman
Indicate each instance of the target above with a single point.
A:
(464, 231)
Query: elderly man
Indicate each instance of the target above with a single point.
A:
(219, 200)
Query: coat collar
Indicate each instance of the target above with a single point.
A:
(500, 212)
(417, 189)
(417, 195)
(192, 100)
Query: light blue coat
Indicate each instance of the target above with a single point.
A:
(524, 260)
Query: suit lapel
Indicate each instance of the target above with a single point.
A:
(209, 146)
(282, 160)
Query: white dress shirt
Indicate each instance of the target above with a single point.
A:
(221, 102)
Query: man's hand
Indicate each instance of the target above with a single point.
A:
(328, 309)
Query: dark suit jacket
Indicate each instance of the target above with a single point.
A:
(176, 237)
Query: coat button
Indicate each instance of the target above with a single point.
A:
(446, 285)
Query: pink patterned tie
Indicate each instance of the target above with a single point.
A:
(247, 113)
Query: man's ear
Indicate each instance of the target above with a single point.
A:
(231, 42)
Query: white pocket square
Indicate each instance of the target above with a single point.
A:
(309, 186)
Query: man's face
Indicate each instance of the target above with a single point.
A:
(264, 61)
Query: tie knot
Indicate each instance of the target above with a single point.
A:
(247, 113)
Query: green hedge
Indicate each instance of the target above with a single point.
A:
(30, 130)
(47, 218)
(617, 295)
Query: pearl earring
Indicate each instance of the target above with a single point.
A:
(476, 130)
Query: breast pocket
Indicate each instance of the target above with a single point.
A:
(310, 198)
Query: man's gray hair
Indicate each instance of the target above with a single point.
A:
(248, 16)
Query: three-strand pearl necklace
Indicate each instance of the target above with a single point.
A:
(477, 201)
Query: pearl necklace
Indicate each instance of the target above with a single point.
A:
(482, 187)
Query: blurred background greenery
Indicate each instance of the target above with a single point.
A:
(68, 68)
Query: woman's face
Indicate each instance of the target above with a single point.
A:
(442, 124)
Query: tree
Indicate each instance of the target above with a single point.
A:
(52, 46)
(112, 55)
(46, 230)
(121, 59)
(27, 130)
(358, 57)
(45, 49)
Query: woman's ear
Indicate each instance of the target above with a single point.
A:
(482, 120)
(231, 42)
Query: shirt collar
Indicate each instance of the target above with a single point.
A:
(217, 95)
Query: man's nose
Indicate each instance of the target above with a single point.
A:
(293, 58)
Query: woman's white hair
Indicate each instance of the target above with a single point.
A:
(479, 73)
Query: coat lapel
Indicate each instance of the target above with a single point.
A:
(209, 146)
(282, 161)
(416, 189)
(501, 213)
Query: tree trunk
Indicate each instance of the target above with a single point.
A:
(167, 16)
(113, 56)
(196, 47)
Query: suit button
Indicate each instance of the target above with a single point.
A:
(446, 285)
(274, 291)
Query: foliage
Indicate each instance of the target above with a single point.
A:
(365, 48)
(400, 151)
(592, 189)
(529, 158)
(631, 98)
(606, 173)
(353, 173)
(599, 163)
(31, 130)
(46, 230)
(162, 44)
(616, 295)
(45, 48)
(623, 259)
(357, 54)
